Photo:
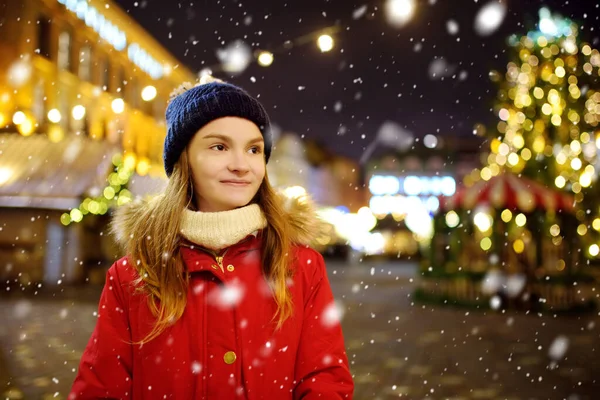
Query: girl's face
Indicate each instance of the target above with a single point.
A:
(227, 162)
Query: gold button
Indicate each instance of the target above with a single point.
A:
(230, 268)
(229, 357)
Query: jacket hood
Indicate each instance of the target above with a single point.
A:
(300, 212)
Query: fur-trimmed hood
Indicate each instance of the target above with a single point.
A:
(300, 213)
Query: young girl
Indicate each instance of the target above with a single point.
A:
(220, 296)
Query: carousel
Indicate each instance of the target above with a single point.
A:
(507, 242)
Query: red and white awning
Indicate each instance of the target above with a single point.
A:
(509, 191)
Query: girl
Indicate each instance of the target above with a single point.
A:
(219, 297)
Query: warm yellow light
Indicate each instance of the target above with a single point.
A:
(78, 113)
(596, 224)
(54, 116)
(265, 58)
(486, 244)
(3, 119)
(556, 120)
(506, 215)
(539, 143)
(594, 250)
(555, 230)
(560, 72)
(109, 193)
(486, 174)
(582, 229)
(547, 109)
(26, 127)
(495, 145)
(483, 221)
(518, 141)
(5, 174)
(503, 149)
(399, 12)
(143, 166)
(585, 179)
(526, 154)
(129, 161)
(452, 219)
(521, 220)
(149, 93)
(55, 133)
(576, 164)
(538, 93)
(76, 215)
(65, 219)
(325, 43)
(19, 117)
(513, 159)
(118, 106)
(518, 246)
(560, 182)
(575, 146)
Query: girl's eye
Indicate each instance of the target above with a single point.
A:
(255, 150)
(218, 147)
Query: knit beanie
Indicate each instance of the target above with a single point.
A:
(192, 107)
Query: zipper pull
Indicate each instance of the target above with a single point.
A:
(220, 262)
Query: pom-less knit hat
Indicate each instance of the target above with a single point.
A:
(192, 107)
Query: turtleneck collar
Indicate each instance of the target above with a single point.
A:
(218, 230)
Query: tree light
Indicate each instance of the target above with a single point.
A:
(325, 43)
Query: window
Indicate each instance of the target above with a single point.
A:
(85, 63)
(106, 75)
(43, 36)
(64, 50)
(63, 107)
(39, 102)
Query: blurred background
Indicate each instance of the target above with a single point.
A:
(451, 147)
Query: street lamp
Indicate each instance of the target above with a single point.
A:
(390, 135)
(399, 12)
(265, 58)
(325, 43)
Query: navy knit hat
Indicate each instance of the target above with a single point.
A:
(190, 108)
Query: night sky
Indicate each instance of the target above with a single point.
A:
(375, 73)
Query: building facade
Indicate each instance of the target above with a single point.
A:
(80, 81)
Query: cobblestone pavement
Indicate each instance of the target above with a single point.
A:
(397, 349)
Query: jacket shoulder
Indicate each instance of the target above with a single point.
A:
(122, 273)
(309, 264)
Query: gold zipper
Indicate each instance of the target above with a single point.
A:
(218, 258)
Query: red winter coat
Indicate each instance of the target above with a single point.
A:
(225, 345)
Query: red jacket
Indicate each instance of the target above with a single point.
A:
(225, 345)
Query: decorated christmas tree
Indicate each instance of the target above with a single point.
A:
(549, 111)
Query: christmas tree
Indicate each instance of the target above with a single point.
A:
(549, 111)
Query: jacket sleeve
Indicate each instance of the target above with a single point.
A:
(322, 370)
(106, 365)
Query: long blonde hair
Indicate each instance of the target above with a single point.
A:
(154, 249)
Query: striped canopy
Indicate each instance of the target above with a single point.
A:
(509, 191)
